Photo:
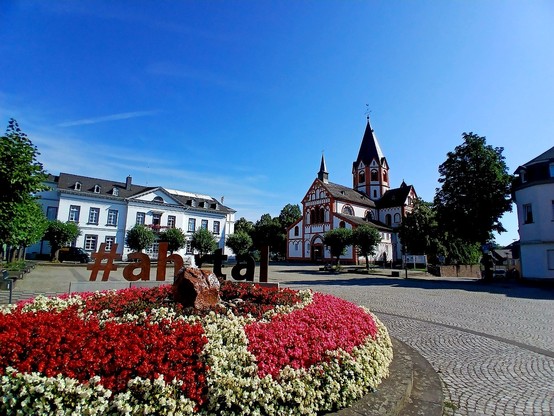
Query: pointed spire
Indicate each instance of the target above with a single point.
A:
(323, 175)
(369, 149)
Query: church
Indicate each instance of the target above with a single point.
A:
(370, 200)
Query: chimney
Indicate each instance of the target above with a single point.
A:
(128, 183)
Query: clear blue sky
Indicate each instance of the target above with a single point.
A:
(240, 98)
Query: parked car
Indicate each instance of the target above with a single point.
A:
(73, 254)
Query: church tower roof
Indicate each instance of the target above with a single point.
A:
(323, 175)
(369, 149)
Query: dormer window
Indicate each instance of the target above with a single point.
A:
(551, 168)
(115, 191)
(77, 186)
(158, 199)
(522, 176)
(96, 189)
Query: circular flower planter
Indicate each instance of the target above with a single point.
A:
(261, 351)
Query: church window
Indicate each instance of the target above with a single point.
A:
(347, 209)
(374, 176)
(342, 224)
(374, 193)
(396, 218)
(388, 219)
(361, 177)
(296, 231)
(321, 194)
(308, 217)
(384, 175)
(321, 215)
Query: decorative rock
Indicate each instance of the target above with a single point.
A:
(196, 287)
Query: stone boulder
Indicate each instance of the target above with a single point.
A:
(196, 287)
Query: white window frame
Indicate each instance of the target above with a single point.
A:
(528, 214)
(140, 218)
(109, 240)
(204, 224)
(112, 217)
(74, 213)
(171, 221)
(91, 242)
(93, 215)
(191, 225)
(216, 227)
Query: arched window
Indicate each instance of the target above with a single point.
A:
(321, 215)
(314, 216)
(374, 176)
(361, 177)
(396, 218)
(308, 217)
(96, 189)
(388, 219)
(374, 193)
(77, 186)
(115, 191)
(347, 209)
(296, 231)
(158, 199)
(384, 176)
(342, 224)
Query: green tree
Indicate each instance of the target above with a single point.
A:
(289, 215)
(239, 242)
(267, 231)
(366, 238)
(139, 237)
(29, 225)
(174, 237)
(420, 233)
(21, 176)
(475, 191)
(60, 234)
(203, 241)
(338, 240)
(242, 224)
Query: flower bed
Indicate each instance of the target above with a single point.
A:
(272, 351)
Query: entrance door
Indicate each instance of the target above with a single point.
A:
(317, 252)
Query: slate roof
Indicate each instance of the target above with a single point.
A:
(369, 149)
(361, 221)
(343, 193)
(66, 183)
(395, 197)
(544, 157)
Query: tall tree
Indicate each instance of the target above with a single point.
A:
(267, 231)
(60, 234)
(242, 224)
(420, 232)
(475, 191)
(338, 240)
(203, 241)
(140, 237)
(175, 238)
(289, 215)
(366, 238)
(21, 176)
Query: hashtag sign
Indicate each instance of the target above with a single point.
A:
(99, 263)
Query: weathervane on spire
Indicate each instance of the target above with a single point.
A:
(367, 111)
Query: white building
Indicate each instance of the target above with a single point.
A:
(327, 206)
(105, 210)
(534, 198)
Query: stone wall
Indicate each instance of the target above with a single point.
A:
(463, 270)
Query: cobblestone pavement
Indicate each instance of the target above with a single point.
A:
(492, 344)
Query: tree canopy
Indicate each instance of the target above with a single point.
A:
(366, 238)
(22, 221)
(139, 237)
(420, 233)
(203, 241)
(239, 242)
(338, 240)
(60, 234)
(289, 215)
(475, 191)
(175, 238)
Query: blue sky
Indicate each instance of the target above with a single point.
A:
(239, 98)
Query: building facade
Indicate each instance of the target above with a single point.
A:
(533, 194)
(370, 200)
(105, 210)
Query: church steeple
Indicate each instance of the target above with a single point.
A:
(370, 171)
(323, 175)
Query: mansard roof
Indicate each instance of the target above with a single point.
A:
(369, 149)
(395, 197)
(343, 193)
(361, 221)
(66, 183)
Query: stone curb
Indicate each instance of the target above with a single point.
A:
(412, 388)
